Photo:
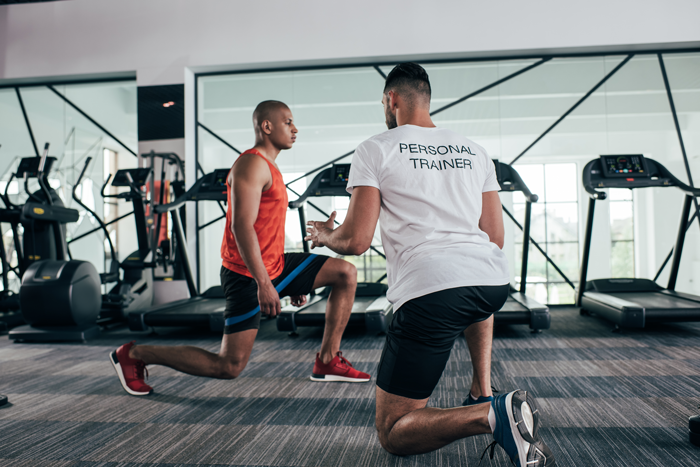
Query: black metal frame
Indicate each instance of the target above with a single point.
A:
(50, 86)
(543, 58)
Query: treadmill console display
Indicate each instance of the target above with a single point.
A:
(218, 184)
(30, 166)
(138, 175)
(340, 174)
(625, 166)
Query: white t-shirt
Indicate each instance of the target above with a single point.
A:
(431, 182)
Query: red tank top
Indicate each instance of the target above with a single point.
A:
(269, 227)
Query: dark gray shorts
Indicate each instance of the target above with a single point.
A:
(242, 309)
(423, 331)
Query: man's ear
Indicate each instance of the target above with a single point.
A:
(266, 127)
(393, 98)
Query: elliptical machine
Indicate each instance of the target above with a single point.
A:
(9, 300)
(59, 297)
(135, 290)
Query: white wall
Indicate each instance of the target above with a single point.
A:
(159, 38)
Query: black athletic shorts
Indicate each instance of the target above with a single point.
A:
(241, 292)
(423, 331)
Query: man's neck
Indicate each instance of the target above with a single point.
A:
(418, 118)
(267, 149)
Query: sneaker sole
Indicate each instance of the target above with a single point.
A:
(118, 368)
(540, 456)
(344, 379)
(524, 419)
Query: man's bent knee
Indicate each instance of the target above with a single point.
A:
(347, 273)
(229, 369)
(383, 435)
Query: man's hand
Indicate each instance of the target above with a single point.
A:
(298, 300)
(317, 231)
(269, 300)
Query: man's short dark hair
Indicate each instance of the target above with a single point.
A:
(408, 78)
(264, 109)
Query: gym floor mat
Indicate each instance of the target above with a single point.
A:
(607, 400)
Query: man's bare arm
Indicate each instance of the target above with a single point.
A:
(355, 234)
(249, 178)
(491, 220)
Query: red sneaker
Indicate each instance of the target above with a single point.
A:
(338, 369)
(130, 371)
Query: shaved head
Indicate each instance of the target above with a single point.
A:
(265, 110)
(273, 124)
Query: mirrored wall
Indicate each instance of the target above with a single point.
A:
(68, 118)
(550, 115)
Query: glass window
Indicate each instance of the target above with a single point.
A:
(554, 226)
(621, 233)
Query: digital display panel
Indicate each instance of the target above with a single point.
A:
(340, 174)
(30, 166)
(625, 166)
(138, 175)
(219, 181)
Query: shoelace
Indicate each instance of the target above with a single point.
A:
(343, 360)
(491, 446)
(139, 369)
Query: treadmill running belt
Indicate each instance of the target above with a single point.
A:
(655, 300)
(512, 305)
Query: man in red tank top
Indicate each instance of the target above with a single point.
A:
(256, 272)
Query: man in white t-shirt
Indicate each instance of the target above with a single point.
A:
(436, 195)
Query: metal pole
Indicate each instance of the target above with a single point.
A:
(26, 120)
(92, 120)
(379, 70)
(302, 223)
(526, 246)
(98, 228)
(218, 137)
(202, 227)
(678, 250)
(586, 251)
(492, 85)
(5, 267)
(579, 102)
(182, 245)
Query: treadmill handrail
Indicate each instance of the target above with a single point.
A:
(588, 184)
(182, 199)
(522, 187)
(297, 203)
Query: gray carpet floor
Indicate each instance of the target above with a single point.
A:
(607, 399)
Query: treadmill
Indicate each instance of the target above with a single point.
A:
(205, 310)
(519, 308)
(631, 302)
(371, 308)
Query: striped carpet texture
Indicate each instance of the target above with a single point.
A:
(608, 400)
